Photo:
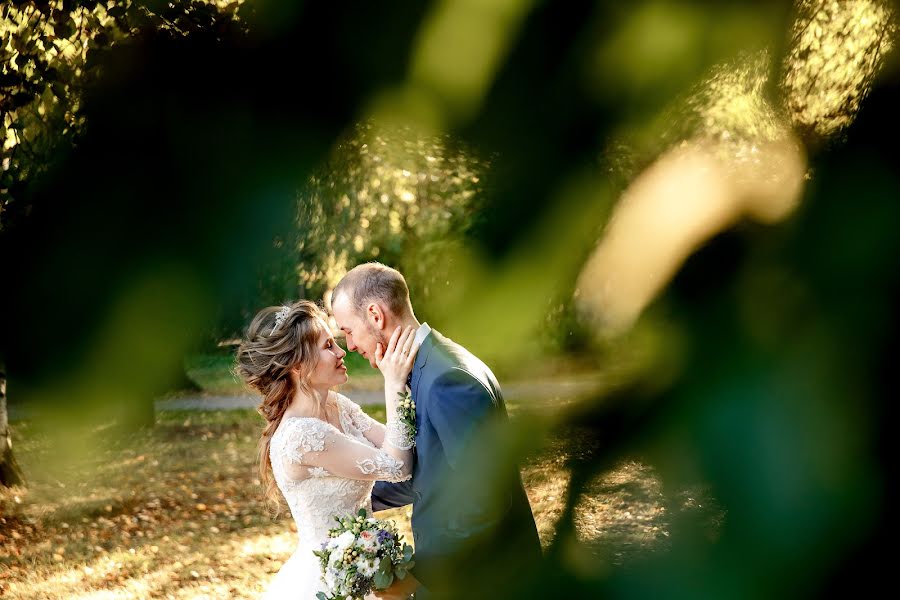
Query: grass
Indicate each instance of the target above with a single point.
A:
(212, 373)
(176, 512)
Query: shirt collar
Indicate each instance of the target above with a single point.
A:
(421, 333)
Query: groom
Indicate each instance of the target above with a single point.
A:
(462, 527)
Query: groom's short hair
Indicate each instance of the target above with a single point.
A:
(375, 281)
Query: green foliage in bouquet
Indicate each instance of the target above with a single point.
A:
(362, 554)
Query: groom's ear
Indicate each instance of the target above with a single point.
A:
(375, 315)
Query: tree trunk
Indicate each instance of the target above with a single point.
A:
(184, 383)
(10, 473)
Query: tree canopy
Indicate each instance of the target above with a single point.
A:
(713, 182)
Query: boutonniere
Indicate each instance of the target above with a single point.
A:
(406, 413)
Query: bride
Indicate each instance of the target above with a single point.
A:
(324, 452)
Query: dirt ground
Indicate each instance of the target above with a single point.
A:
(177, 513)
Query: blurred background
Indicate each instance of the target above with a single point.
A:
(670, 227)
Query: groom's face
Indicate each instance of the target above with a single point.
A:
(360, 333)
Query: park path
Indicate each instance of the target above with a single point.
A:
(517, 391)
(557, 391)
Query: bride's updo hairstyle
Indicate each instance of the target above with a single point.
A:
(279, 339)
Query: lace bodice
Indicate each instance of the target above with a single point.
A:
(323, 471)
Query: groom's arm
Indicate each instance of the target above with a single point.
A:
(461, 406)
(391, 495)
(474, 494)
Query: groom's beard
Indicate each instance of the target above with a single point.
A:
(380, 338)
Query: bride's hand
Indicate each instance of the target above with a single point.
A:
(396, 361)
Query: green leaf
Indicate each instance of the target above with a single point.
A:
(321, 596)
(407, 552)
(385, 565)
(383, 580)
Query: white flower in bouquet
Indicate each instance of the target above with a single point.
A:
(362, 554)
(330, 577)
(366, 566)
(344, 540)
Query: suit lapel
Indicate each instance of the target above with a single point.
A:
(421, 359)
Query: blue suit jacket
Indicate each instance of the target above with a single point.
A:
(458, 515)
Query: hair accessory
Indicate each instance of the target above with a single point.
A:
(280, 317)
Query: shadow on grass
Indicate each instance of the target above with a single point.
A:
(177, 512)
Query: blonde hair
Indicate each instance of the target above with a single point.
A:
(274, 345)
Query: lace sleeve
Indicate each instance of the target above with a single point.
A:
(400, 435)
(373, 430)
(302, 436)
(356, 416)
(320, 444)
(395, 433)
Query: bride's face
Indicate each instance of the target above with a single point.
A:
(330, 369)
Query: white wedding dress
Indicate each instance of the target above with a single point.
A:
(322, 472)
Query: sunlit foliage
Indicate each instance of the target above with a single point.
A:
(836, 51)
(733, 148)
(761, 298)
(387, 194)
(49, 54)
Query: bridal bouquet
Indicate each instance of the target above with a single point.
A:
(362, 554)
